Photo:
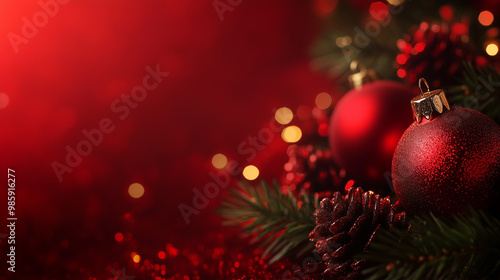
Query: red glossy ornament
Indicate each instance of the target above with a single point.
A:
(445, 161)
(365, 128)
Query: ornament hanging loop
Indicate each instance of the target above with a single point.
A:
(420, 86)
(429, 102)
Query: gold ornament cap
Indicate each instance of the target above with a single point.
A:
(428, 102)
(360, 75)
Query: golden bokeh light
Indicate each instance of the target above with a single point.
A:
(291, 134)
(136, 190)
(492, 49)
(283, 115)
(486, 18)
(251, 172)
(219, 161)
(135, 257)
(323, 100)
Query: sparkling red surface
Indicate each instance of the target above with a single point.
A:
(444, 164)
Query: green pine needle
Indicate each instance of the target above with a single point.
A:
(279, 222)
(461, 247)
(480, 90)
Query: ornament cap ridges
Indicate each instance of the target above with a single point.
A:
(428, 102)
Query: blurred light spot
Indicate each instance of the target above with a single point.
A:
(325, 7)
(396, 2)
(343, 41)
(236, 264)
(465, 38)
(317, 113)
(291, 134)
(4, 100)
(251, 172)
(136, 190)
(378, 10)
(323, 129)
(219, 161)
(401, 58)
(492, 49)
(136, 258)
(304, 113)
(460, 29)
(161, 255)
(283, 115)
(492, 32)
(349, 184)
(401, 73)
(446, 12)
(481, 61)
(420, 46)
(485, 18)
(171, 250)
(323, 100)
(119, 237)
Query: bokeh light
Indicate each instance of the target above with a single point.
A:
(136, 190)
(291, 134)
(446, 12)
(219, 161)
(304, 113)
(378, 10)
(492, 49)
(323, 100)
(348, 185)
(325, 7)
(323, 129)
(396, 2)
(4, 100)
(119, 237)
(283, 115)
(135, 257)
(401, 73)
(251, 172)
(162, 255)
(486, 18)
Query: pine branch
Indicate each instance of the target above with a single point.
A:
(280, 222)
(461, 247)
(480, 90)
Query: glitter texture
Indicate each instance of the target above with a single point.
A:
(444, 164)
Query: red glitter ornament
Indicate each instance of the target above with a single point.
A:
(365, 128)
(447, 160)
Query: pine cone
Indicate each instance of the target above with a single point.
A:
(345, 226)
(434, 51)
(311, 170)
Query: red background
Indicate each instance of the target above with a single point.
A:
(226, 77)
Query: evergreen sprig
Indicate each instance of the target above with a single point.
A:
(460, 247)
(277, 221)
(480, 90)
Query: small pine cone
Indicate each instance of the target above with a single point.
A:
(311, 170)
(345, 226)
